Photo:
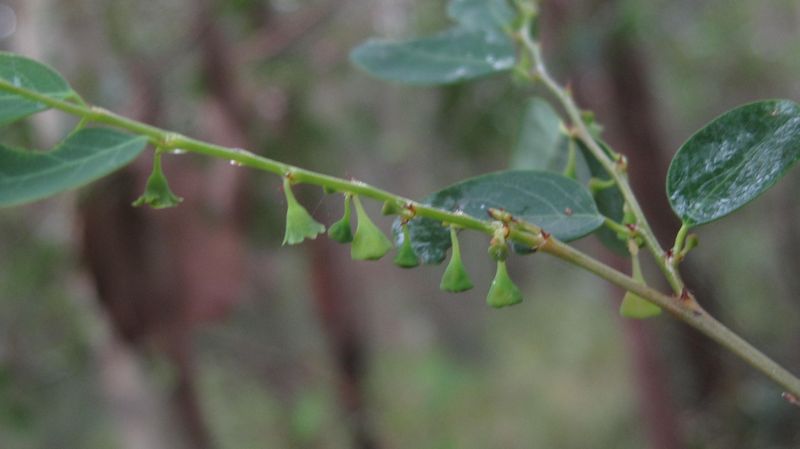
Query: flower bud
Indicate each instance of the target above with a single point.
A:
(406, 257)
(341, 231)
(455, 278)
(633, 305)
(369, 243)
(157, 193)
(503, 292)
(299, 223)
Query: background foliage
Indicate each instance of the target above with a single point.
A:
(265, 346)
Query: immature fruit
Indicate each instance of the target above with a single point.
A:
(341, 231)
(369, 243)
(503, 292)
(455, 278)
(157, 193)
(633, 305)
(406, 257)
(299, 223)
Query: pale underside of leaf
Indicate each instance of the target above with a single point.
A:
(83, 157)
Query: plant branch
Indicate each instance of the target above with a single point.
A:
(539, 72)
(683, 307)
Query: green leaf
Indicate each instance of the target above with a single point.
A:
(540, 141)
(558, 204)
(31, 75)
(733, 160)
(491, 15)
(451, 56)
(84, 156)
(610, 201)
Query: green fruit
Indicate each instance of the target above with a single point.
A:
(455, 278)
(341, 231)
(406, 257)
(633, 305)
(299, 223)
(157, 193)
(390, 208)
(503, 292)
(369, 243)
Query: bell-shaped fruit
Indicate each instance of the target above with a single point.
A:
(633, 305)
(341, 231)
(503, 292)
(406, 257)
(157, 193)
(369, 243)
(455, 278)
(299, 223)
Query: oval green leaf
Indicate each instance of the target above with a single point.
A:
(449, 57)
(82, 157)
(493, 15)
(733, 160)
(31, 75)
(558, 204)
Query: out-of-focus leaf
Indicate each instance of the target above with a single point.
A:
(540, 141)
(492, 15)
(26, 73)
(733, 160)
(451, 56)
(82, 157)
(558, 204)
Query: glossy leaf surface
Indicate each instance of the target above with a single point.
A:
(451, 56)
(733, 160)
(31, 75)
(83, 157)
(558, 204)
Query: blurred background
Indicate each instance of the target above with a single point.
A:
(193, 328)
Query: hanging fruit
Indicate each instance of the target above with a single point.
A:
(341, 230)
(406, 257)
(369, 242)
(455, 278)
(157, 193)
(299, 223)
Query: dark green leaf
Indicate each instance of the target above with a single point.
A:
(540, 143)
(31, 75)
(492, 15)
(558, 204)
(454, 55)
(734, 159)
(83, 157)
(610, 201)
